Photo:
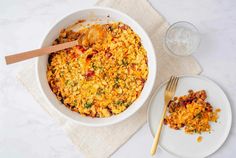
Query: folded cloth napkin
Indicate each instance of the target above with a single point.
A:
(102, 142)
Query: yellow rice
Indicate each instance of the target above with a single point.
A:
(103, 79)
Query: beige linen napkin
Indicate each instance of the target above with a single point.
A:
(102, 142)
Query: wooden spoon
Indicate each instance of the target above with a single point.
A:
(88, 37)
(38, 52)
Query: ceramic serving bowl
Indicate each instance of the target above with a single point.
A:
(92, 14)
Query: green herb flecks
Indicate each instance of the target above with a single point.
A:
(94, 66)
(128, 104)
(62, 74)
(198, 115)
(117, 79)
(88, 105)
(119, 102)
(100, 91)
(124, 62)
(75, 102)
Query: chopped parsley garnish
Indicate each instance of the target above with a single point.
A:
(53, 71)
(116, 85)
(198, 115)
(94, 66)
(99, 91)
(62, 74)
(119, 102)
(88, 105)
(116, 79)
(75, 102)
(124, 62)
(128, 104)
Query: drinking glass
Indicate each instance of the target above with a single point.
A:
(182, 38)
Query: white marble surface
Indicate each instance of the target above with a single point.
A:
(27, 131)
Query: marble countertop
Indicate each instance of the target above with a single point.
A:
(27, 131)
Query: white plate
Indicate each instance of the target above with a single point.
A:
(177, 142)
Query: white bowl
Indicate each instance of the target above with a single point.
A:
(89, 14)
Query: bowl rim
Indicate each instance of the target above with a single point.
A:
(115, 121)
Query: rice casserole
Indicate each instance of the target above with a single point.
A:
(191, 112)
(100, 78)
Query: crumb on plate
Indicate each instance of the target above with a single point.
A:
(199, 139)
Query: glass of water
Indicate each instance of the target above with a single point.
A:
(182, 38)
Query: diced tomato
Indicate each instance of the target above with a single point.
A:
(133, 66)
(89, 73)
(95, 51)
(89, 57)
(108, 54)
(143, 80)
(123, 27)
(81, 49)
(74, 55)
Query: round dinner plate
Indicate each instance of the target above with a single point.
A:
(177, 142)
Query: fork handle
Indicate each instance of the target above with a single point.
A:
(158, 132)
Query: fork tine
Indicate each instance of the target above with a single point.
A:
(169, 83)
(175, 84)
(169, 88)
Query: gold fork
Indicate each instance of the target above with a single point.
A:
(169, 93)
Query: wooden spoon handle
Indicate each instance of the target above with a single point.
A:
(38, 52)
